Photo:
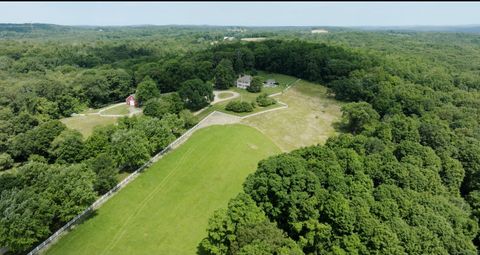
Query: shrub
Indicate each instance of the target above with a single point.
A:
(255, 85)
(5, 161)
(188, 117)
(239, 106)
(263, 100)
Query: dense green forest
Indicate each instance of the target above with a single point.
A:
(402, 178)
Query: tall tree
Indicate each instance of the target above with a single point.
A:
(359, 117)
(146, 90)
(67, 147)
(196, 94)
(224, 74)
(106, 172)
(255, 85)
(25, 220)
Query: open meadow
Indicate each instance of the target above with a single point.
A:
(307, 120)
(87, 120)
(166, 209)
(86, 123)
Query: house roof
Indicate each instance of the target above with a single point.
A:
(245, 78)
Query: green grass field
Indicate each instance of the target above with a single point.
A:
(223, 95)
(166, 209)
(122, 109)
(85, 124)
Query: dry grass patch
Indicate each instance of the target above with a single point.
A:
(307, 120)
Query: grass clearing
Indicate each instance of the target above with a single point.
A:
(122, 109)
(85, 124)
(166, 209)
(307, 120)
(223, 95)
(90, 118)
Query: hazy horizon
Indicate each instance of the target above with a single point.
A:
(253, 14)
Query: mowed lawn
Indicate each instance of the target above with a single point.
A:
(166, 209)
(307, 120)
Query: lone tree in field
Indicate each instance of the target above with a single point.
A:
(224, 74)
(255, 85)
(196, 94)
(147, 89)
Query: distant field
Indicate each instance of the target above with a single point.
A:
(85, 124)
(254, 39)
(166, 209)
(307, 120)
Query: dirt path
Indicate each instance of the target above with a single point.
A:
(217, 99)
(133, 111)
(284, 105)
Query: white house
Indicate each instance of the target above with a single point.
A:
(244, 81)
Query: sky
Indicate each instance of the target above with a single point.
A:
(243, 13)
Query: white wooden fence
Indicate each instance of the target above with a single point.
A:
(115, 189)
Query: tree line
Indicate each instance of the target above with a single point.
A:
(403, 178)
(404, 174)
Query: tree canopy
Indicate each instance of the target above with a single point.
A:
(402, 178)
(146, 90)
(196, 94)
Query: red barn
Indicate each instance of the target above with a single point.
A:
(131, 101)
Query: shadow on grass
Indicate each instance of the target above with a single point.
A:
(201, 250)
(339, 127)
